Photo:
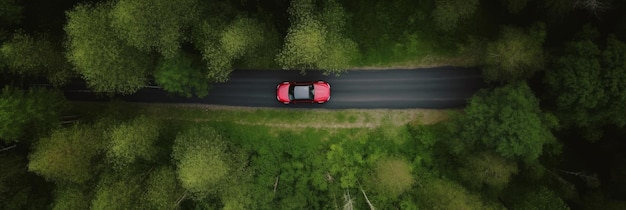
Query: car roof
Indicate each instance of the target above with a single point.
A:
(301, 92)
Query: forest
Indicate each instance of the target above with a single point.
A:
(547, 131)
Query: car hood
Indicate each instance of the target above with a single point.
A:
(322, 91)
(283, 92)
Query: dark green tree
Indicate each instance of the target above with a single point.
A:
(507, 119)
(182, 75)
(35, 56)
(26, 114)
(589, 84)
(516, 55)
(448, 13)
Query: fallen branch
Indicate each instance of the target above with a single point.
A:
(276, 183)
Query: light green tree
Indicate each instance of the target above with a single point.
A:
(103, 59)
(316, 38)
(118, 190)
(35, 56)
(203, 166)
(221, 43)
(436, 193)
(392, 176)
(163, 191)
(154, 24)
(134, 141)
(516, 55)
(67, 155)
(487, 170)
(26, 114)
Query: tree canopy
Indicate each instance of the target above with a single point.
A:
(35, 56)
(516, 55)
(67, 155)
(589, 84)
(507, 119)
(102, 58)
(316, 39)
(154, 24)
(26, 114)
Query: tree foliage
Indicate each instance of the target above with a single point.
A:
(316, 38)
(71, 196)
(202, 164)
(104, 60)
(35, 56)
(26, 114)
(67, 155)
(509, 120)
(516, 55)
(117, 190)
(154, 24)
(392, 176)
(436, 193)
(221, 43)
(10, 12)
(589, 84)
(448, 13)
(182, 75)
(487, 170)
(134, 141)
(163, 189)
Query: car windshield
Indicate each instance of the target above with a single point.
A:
(301, 92)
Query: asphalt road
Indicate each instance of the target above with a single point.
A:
(440, 87)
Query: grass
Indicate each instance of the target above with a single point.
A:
(272, 117)
(249, 125)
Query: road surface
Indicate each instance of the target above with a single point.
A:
(440, 87)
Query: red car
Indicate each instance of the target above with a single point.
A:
(303, 92)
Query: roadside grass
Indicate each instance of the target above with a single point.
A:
(249, 125)
(270, 117)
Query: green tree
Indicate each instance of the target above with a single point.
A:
(18, 188)
(589, 85)
(516, 55)
(118, 190)
(507, 119)
(515, 6)
(203, 166)
(486, 169)
(67, 155)
(392, 176)
(10, 12)
(182, 75)
(163, 190)
(30, 56)
(154, 24)
(104, 60)
(448, 13)
(538, 198)
(26, 114)
(133, 141)
(316, 38)
(221, 43)
(436, 193)
(71, 196)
